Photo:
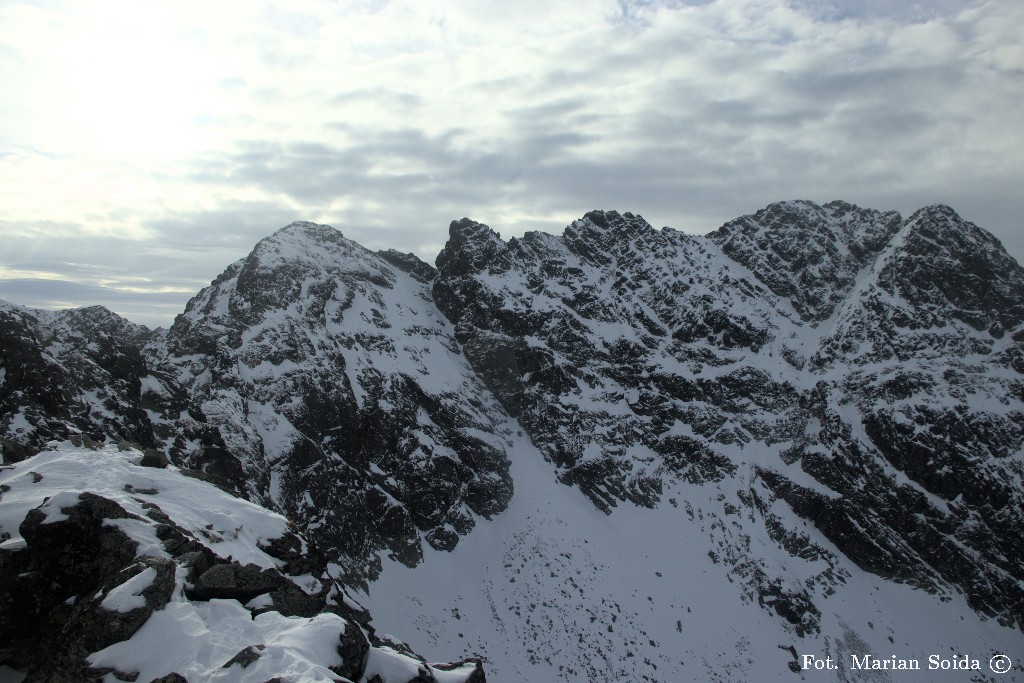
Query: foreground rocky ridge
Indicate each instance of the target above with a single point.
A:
(115, 571)
(850, 384)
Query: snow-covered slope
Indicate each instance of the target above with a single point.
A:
(113, 571)
(333, 390)
(621, 451)
(554, 590)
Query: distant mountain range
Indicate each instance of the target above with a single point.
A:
(620, 453)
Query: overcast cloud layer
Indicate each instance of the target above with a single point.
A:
(144, 145)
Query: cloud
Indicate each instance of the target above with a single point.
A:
(389, 119)
(837, 10)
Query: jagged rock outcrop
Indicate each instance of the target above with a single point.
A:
(90, 583)
(69, 372)
(808, 254)
(583, 338)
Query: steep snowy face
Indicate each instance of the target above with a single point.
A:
(69, 372)
(918, 416)
(807, 253)
(623, 350)
(865, 394)
(324, 382)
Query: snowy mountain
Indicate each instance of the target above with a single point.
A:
(620, 453)
(71, 371)
(328, 386)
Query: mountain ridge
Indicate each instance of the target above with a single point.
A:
(844, 386)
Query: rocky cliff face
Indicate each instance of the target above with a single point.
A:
(879, 357)
(807, 253)
(821, 391)
(918, 392)
(623, 350)
(69, 372)
(337, 394)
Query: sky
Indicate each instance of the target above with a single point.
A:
(145, 145)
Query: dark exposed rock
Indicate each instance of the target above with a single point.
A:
(235, 581)
(76, 557)
(115, 626)
(410, 263)
(299, 558)
(796, 608)
(198, 562)
(948, 264)
(472, 247)
(353, 648)
(807, 253)
(154, 458)
(246, 657)
(292, 601)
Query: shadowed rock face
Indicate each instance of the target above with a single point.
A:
(69, 372)
(882, 357)
(864, 370)
(807, 253)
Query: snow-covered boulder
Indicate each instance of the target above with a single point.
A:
(111, 571)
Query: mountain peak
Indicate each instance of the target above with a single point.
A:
(946, 263)
(600, 235)
(935, 210)
(307, 228)
(808, 253)
(943, 226)
(611, 220)
(607, 225)
(297, 238)
(471, 247)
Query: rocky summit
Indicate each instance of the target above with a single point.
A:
(319, 378)
(618, 453)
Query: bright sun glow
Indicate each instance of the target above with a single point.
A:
(136, 84)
